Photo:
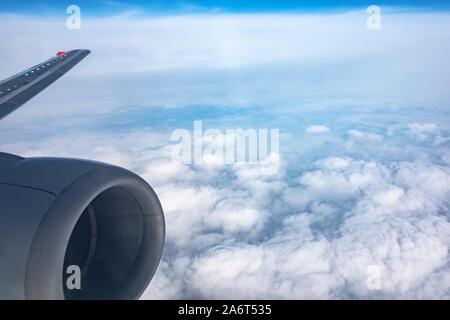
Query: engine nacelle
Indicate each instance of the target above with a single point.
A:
(59, 213)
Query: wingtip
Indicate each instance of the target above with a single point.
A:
(86, 51)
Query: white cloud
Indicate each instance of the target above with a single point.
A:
(317, 129)
(390, 196)
(420, 128)
(334, 163)
(236, 218)
(423, 130)
(358, 135)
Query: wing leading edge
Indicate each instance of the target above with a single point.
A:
(18, 89)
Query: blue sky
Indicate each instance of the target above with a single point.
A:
(158, 7)
(364, 123)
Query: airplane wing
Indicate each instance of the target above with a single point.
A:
(18, 89)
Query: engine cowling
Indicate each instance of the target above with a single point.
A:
(58, 213)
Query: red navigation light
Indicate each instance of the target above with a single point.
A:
(60, 53)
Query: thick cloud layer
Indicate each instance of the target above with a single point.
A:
(313, 233)
(360, 205)
(316, 237)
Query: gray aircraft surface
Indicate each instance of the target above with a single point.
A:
(66, 218)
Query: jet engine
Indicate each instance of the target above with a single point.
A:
(60, 216)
